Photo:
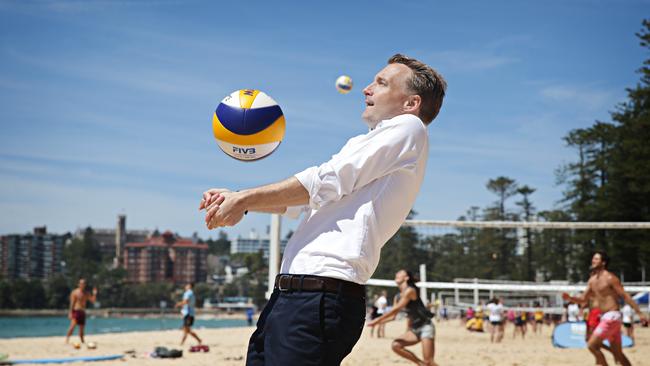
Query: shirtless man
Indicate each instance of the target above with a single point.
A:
(606, 289)
(77, 313)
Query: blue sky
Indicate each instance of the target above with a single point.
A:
(106, 105)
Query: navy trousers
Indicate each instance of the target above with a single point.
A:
(306, 328)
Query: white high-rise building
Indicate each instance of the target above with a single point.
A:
(253, 244)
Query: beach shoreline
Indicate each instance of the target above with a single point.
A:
(123, 312)
(454, 346)
(46, 326)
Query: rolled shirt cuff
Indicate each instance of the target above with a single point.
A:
(322, 185)
(309, 179)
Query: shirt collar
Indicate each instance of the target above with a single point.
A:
(388, 122)
(381, 123)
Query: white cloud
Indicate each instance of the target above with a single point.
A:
(586, 96)
(147, 78)
(488, 55)
(67, 7)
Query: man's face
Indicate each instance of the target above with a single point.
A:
(82, 284)
(597, 261)
(386, 95)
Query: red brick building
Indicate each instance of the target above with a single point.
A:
(166, 258)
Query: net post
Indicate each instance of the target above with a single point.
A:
(274, 252)
(423, 278)
(475, 291)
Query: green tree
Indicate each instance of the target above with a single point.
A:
(527, 209)
(150, 295)
(28, 294)
(6, 296)
(113, 290)
(203, 291)
(57, 293)
(611, 179)
(557, 255)
(221, 246)
(254, 283)
(446, 257)
(83, 258)
(402, 251)
(504, 188)
(628, 191)
(503, 241)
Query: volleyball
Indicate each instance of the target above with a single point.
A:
(344, 84)
(248, 125)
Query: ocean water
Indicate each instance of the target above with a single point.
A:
(11, 327)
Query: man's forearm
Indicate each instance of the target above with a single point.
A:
(578, 299)
(276, 196)
(273, 210)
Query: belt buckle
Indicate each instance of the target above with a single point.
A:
(280, 284)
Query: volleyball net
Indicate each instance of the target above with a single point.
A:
(466, 263)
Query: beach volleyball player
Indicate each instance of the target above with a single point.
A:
(606, 289)
(420, 328)
(351, 205)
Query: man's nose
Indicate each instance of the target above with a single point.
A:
(367, 90)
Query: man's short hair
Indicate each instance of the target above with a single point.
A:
(425, 82)
(603, 257)
(191, 284)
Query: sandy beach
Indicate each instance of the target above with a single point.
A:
(454, 346)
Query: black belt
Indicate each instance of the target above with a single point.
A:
(311, 283)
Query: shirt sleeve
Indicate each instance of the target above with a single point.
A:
(382, 152)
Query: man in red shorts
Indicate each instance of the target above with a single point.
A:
(77, 313)
(592, 319)
(606, 289)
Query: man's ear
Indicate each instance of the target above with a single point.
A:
(412, 103)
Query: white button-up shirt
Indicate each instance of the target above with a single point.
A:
(357, 201)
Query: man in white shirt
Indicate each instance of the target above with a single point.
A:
(381, 304)
(495, 309)
(628, 320)
(573, 313)
(352, 205)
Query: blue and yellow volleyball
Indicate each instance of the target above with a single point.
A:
(344, 84)
(248, 125)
